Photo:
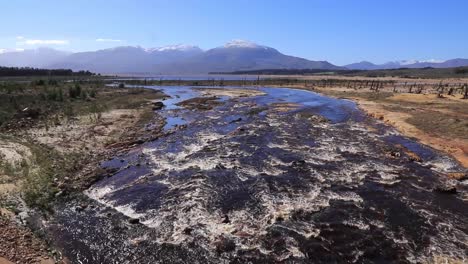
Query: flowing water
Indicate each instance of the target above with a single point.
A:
(289, 176)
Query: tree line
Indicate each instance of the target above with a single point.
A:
(27, 71)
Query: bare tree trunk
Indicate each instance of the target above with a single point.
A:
(466, 92)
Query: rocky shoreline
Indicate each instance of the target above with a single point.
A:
(115, 131)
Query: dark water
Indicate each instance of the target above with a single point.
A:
(247, 182)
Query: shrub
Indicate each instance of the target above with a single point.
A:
(40, 82)
(74, 91)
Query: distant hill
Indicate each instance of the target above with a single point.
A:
(241, 56)
(365, 65)
(234, 56)
(37, 58)
(178, 59)
(126, 59)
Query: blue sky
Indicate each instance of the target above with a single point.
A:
(340, 31)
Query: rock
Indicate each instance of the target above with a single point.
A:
(298, 163)
(236, 120)
(220, 166)
(413, 156)
(79, 208)
(188, 230)
(446, 188)
(157, 106)
(134, 221)
(225, 244)
(226, 219)
(30, 113)
(279, 219)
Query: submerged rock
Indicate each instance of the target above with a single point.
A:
(446, 188)
(226, 219)
(134, 221)
(225, 244)
(157, 106)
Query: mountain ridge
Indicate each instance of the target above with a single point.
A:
(365, 65)
(235, 55)
(178, 59)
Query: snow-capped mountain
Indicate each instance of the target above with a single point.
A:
(178, 47)
(175, 59)
(127, 59)
(240, 55)
(238, 43)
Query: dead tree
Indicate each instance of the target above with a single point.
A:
(450, 91)
(377, 87)
(420, 89)
(466, 92)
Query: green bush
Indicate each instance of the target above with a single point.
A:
(74, 91)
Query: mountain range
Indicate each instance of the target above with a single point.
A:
(237, 55)
(365, 65)
(177, 59)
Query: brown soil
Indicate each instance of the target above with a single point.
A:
(20, 245)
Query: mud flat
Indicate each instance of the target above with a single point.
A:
(287, 176)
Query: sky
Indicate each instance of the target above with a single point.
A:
(339, 31)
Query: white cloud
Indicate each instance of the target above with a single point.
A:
(108, 40)
(44, 42)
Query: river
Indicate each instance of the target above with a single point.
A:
(286, 176)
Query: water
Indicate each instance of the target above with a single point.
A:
(249, 181)
(216, 77)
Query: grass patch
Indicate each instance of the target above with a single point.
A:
(47, 171)
(440, 124)
(38, 179)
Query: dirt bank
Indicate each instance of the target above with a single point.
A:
(441, 123)
(57, 154)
